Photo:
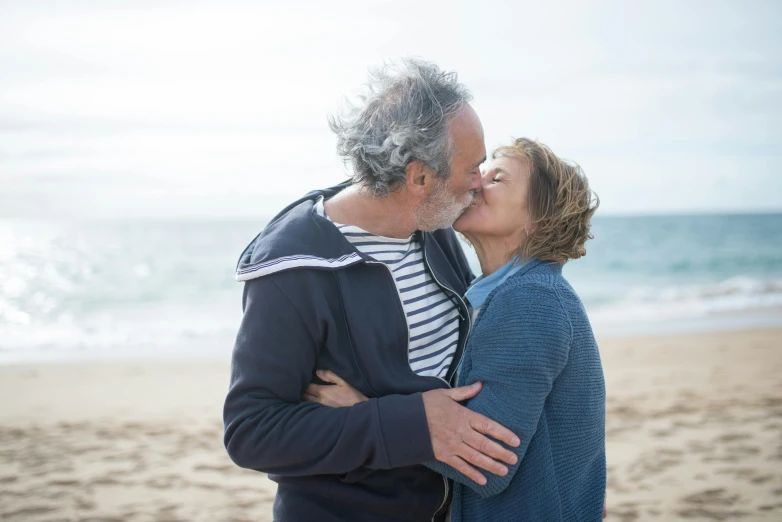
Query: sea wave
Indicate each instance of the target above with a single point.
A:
(646, 303)
(168, 330)
(166, 289)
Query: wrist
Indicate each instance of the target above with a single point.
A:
(405, 430)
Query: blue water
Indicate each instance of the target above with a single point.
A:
(166, 289)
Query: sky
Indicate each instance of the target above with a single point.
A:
(146, 109)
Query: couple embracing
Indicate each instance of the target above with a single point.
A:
(374, 378)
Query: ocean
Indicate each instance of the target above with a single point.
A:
(166, 289)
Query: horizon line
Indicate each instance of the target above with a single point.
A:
(266, 217)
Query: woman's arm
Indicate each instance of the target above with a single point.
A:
(340, 394)
(517, 350)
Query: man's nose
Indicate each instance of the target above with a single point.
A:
(476, 183)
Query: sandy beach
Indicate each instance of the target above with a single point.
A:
(694, 432)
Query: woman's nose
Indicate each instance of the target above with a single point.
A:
(485, 179)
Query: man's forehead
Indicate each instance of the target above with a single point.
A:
(467, 137)
(466, 121)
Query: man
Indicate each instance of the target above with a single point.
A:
(365, 279)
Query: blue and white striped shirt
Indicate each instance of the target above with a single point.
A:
(432, 317)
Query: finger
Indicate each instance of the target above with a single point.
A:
(314, 389)
(323, 375)
(330, 376)
(320, 399)
(490, 448)
(461, 465)
(480, 460)
(465, 392)
(494, 429)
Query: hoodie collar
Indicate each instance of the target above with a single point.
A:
(298, 237)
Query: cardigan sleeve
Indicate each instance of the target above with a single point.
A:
(517, 350)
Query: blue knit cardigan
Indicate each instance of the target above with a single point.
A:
(532, 347)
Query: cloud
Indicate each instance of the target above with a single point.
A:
(668, 106)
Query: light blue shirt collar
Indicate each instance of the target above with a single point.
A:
(481, 288)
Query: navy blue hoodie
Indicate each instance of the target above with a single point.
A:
(311, 301)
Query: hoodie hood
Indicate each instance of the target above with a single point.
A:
(298, 237)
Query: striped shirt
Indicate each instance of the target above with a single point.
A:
(432, 316)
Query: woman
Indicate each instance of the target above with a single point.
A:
(531, 345)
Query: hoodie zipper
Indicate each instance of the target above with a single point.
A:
(459, 309)
(401, 303)
(447, 289)
(461, 355)
(407, 324)
(404, 315)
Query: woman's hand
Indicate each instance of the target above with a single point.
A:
(337, 395)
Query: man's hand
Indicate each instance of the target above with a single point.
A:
(458, 434)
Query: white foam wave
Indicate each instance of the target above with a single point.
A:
(737, 294)
(181, 330)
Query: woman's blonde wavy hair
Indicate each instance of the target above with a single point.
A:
(560, 203)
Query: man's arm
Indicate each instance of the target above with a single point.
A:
(517, 358)
(268, 428)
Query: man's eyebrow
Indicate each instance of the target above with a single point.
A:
(480, 162)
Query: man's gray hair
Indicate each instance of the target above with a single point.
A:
(401, 117)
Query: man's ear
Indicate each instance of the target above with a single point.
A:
(418, 177)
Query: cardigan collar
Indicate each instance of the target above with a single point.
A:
(480, 289)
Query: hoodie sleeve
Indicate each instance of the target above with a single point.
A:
(268, 428)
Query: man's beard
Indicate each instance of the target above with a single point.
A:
(442, 208)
